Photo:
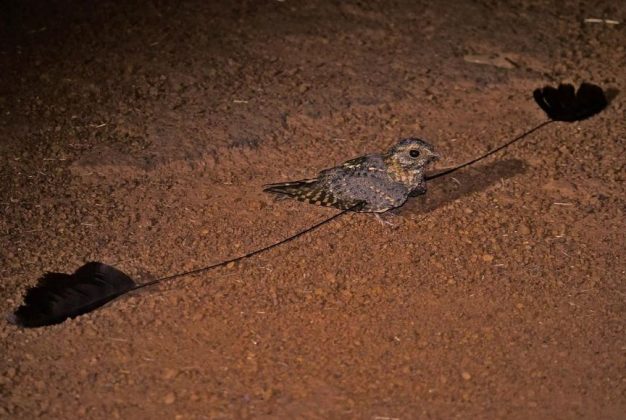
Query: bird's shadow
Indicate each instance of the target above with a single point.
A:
(449, 188)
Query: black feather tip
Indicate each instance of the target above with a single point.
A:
(58, 296)
(566, 104)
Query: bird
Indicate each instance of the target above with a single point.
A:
(372, 183)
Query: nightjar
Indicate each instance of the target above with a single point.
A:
(371, 183)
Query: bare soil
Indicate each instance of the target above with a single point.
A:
(140, 134)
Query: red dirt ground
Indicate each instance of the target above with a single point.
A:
(140, 134)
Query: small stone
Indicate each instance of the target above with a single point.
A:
(230, 264)
(487, 258)
(466, 376)
(169, 373)
(169, 398)
(258, 205)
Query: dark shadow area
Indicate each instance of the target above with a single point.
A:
(465, 182)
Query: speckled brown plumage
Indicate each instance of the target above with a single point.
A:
(378, 182)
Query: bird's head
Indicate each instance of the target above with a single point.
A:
(411, 154)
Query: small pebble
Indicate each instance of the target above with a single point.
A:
(169, 398)
(169, 373)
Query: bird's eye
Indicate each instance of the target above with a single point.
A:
(414, 153)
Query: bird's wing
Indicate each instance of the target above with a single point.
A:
(318, 191)
(311, 191)
(368, 165)
(356, 163)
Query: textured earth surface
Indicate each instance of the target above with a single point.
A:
(140, 134)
